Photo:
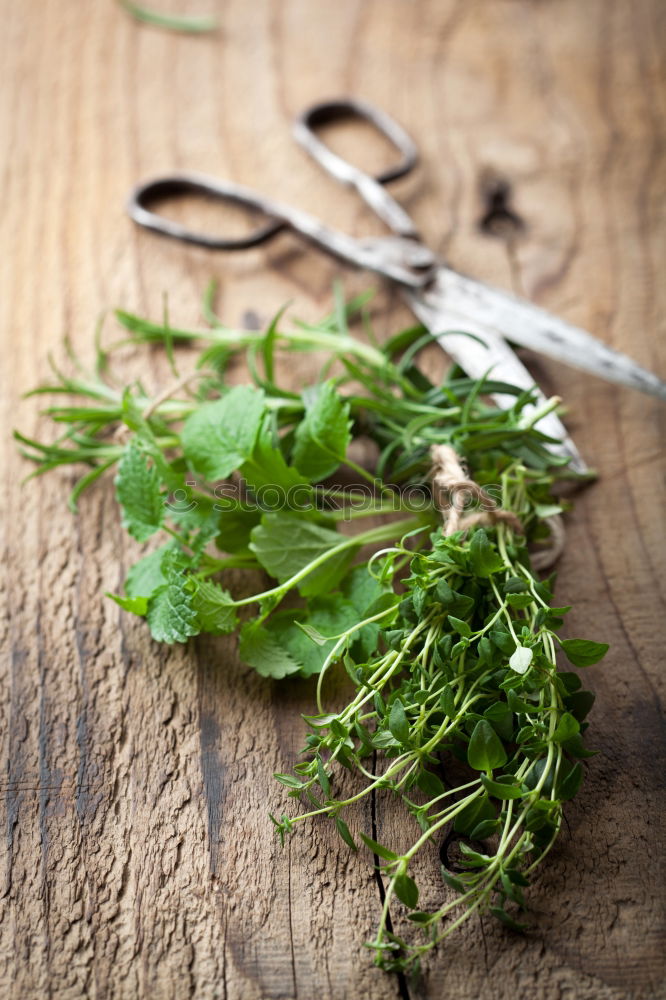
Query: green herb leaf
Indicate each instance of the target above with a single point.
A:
(579, 703)
(566, 728)
(500, 790)
(186, 23)
(322, 778)
(519, 601)
(146, 575)
(485, 751)
(286, 545)
(219, 436)
(398, 722)
(136, 605)
(406, 890)
(288, 780)
(517, 704)
(214, 608)
(235, 523)
(484, 557)
(504, 917)
(171, 615)
(261, 650)
(378, 849)
(460, 626)
(268, 476)
(570, 781)
(324, 616)
(430, 784)
(583, 652)
(322, 437)
(138, 493)
(515, 585)
(345, 833)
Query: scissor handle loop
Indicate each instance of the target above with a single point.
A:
(190, 183)
(369, 188)
(403, 260)
(346, 107)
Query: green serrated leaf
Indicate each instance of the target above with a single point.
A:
(146, 575)
(214, 608)
(277, 485)
(219, 436)
(261, 650)
(235, 522)
(322, 437)
(285, 545)
(296, 629)
(171, 615)
(138, 490)
(135, 605)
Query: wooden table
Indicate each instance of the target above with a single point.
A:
(137, 859)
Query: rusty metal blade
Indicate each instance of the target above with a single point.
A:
(463, 300)
(493, 355)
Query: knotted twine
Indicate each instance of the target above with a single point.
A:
(452, 490)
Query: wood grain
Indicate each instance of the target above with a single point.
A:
(137, 860)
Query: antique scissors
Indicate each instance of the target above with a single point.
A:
(451, 305)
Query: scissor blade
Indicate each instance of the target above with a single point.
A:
(492, 355)
(530, 326)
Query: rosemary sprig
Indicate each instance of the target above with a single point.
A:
(172, 22)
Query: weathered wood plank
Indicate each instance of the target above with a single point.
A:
(137, 859)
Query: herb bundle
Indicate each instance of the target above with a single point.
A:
(449, 639)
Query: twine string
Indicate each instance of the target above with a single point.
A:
(452, 491)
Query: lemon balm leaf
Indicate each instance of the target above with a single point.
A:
(138, 491)
(322, 437)
(220, 435)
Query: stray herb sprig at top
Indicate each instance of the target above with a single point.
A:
(457, 706)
